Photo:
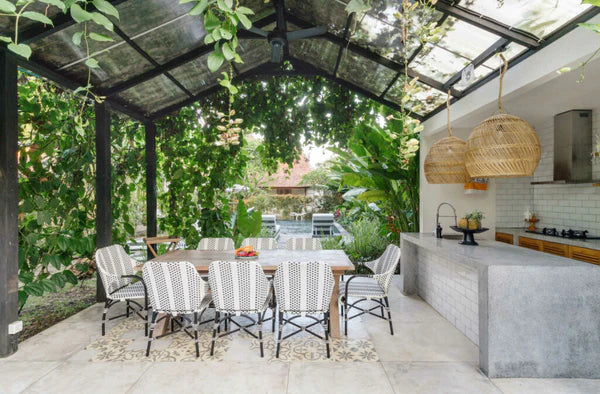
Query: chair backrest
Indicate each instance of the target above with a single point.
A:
(173, 287)
(322, 218)
(216, 244)
(303, 287)
(303, 244)
(261, 243)
(238, 286)
(113, 262)
(269, 220)
(385, 266)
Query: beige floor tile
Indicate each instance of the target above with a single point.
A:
(438, 377)
(548, 386)
(87, 377)
(214, 377)
(323, 377)
(15, 376)
(424, 341)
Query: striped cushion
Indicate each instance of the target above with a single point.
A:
(303, 244)
(261, 243)
(216, 244)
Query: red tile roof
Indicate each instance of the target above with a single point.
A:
(292, 179)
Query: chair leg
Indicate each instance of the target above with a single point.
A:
(152, 325)
(215, 328)
(106, 306)
(146, 323)
(279, 334)
(273, 312)
(327, 324)
(345, 316)
(196, 334)
(387, 306)
(260, 338)
(127, 308)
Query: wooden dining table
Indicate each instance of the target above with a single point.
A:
(270, 260)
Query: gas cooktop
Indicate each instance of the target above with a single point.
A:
(571, 234)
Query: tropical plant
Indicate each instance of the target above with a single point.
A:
(382, 166)
(367, 243)
(246, 225)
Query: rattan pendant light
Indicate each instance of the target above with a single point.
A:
(503, 145)
(445, 161)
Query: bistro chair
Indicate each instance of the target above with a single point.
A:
(372, 287)
(116, 270)
(261, 243)
(239, 288)
(303, 244)
(176, 290)
(216, 244)
(303, 289)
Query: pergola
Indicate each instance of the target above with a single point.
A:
(157, 65)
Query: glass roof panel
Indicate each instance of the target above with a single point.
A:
(195, 75)
(116, 65)
(58, 48)
(253, 53)
(140, 16)
(329, 13)
(539, 17)
(424, 99)
(174, 39)
(365, 73)
(7, 24)
(460, 43)
(154, 94)
(318, 52)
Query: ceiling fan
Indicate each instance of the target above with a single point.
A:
(279, 37)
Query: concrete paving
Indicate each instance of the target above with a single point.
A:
(426, 355)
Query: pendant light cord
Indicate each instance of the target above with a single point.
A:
(501, 78)
(448, 106)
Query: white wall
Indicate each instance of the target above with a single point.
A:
(432, 195)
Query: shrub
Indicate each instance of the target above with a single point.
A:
(367, 242)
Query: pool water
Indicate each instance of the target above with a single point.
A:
(298, 227)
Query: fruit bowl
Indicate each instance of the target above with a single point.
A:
(246, 253)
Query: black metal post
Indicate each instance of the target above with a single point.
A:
(9, 203)
(150, 181)
(103, 187)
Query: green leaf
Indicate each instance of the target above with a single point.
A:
(100, 37)
(56, 262)
(36, 16)
(215, 60)
(591, 26)
(43, 217)
(244, 11)
(5, 39)
(211, 21)
(34, 289)
(223, 6)
(56, 3)
(77, 38)
(48, 285)
(58, 279)
(129, 228)
(227, 52)
(101, 20)
(358, 6)
(244, 21)
(199, 8)
(70, 277)
(226, 34)
(63, 243)
(79, 14)
(92, 63)
(20, 49)
(26, 277)
(105, 7)
(22, 297)
(373, 195)
(592, 2)
(7, 6)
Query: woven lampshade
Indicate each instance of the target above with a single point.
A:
(445, 161)
(503, 145)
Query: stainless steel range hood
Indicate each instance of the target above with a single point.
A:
(572, 147)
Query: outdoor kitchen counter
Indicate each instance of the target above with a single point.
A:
(531, 314)
(519, 232)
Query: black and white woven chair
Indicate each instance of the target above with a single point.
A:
(373, 287)
(303, 289)
(116, 270)
(303, 244)
(176, 289)
(239, 288)
(261, 243)
(216, 244)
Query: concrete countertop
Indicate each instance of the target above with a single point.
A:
(488, 253)
(519, 232)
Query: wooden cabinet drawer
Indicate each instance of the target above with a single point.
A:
(584, 254)
(530, 243)
(504, 237)
(554, 248)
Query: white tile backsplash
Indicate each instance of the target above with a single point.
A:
(561, 206)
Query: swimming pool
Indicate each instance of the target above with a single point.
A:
(299, 227)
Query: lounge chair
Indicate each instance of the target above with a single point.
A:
(269, 223)
(322, 225)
